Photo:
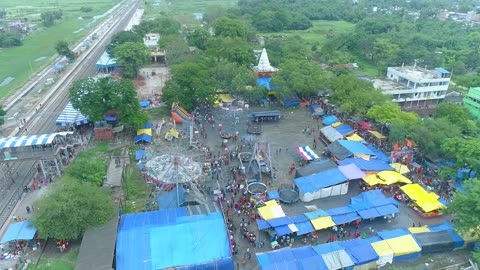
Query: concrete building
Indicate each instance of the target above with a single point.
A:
(151, 41)
(414, 86)
(472, 101)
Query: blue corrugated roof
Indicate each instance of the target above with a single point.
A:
(442, 70)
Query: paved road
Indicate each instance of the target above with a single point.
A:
(41, 117)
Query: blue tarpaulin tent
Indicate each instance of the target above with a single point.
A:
(171, 199)
(393, 233)
(147, 125)
(314, 182)
(291, 259)
(19, 231)
(328, 120)
(139, 154)
(356, 147)
(447, 226)
(372, 165)
(145, 103)
(71, 116)
(379, 154)
(265, 82)
(344, 129)
(273, 195)
(360, 250)
(143, 138)
(169, 239)
(106, 61)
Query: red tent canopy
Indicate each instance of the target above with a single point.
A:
(365, 125)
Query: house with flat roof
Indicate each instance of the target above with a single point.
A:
(414, 86)
(472, 101)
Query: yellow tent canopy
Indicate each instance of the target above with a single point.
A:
(322, 222)
(427, 201)
(382, 248)
(419, 229)
(392, 177)
(336, 124)
(373, 180)
(271, 210)
(377, 134)
(172, 133)
(399, 167)
(226, 98)
(147, 131)
(403, 245)
(355, 137)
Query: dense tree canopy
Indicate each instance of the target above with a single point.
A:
(465, 208)
(230, 27)
(8, 39)
(71, 208)
(2, 115)
(132, 56)
(429, 135)
(163, 25)
(88, 169)
(458, 115)
(465, 151)
(355, 96)
(234, 50)
(95, 97)
(190, 85)
(121, 38)
(62, 49)
(391, 113)
(302, 78)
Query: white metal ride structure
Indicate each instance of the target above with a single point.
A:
(261, 156)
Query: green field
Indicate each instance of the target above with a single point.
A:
(19, 62)
(184, 7)
(318, 33)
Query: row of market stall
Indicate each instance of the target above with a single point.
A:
(351, 158)
(368, 253)
(367, 205)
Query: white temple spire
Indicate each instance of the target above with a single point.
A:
(264, 63)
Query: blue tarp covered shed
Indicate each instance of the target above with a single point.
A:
(447, 226)
(372, 165)
(328, 120)
(172, 199)
(342, 215)
(379, 154)
(139, 154)
(356, 148)
(147, 125)
(144, 103)
(320, 180)
(291, 259)
(265, 82)
(393, 233)
(169, 239)
(143, 138)
(344, 129)
(360, 250)
(263, 224)
(106, 61)
(19, 231)
(71, 117)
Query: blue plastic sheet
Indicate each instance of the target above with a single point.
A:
(263, 224)
(304, 227)
(313, 263)
(320, 180)
(360, 250)
(356, 147)
(369, 195)
(144, 103)
(393, 233)
(328, 120)
(147, 125)
(19, 231)
(172, 199)
(143, 138)
(373, 165)
(168, 238)
(316, 214)
(273, 195)
(139, 154)
(327, 248)
(379, 154)
(279, 221)
(283, 230)
(345, 218)
(300, 218)
(344, 129)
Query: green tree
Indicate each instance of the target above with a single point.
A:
(190, 84)
(163, 25)
(62, 49)
(458, 116)
(214, 12)
(465, 151)
(198, 37)
(390, 112)
(70, 209)
(132, 56)
(121, 38)
(431, 133)
(95, 97)
(465, 208)
(301, 77)
(230, 27)
(175, 50)
(2, 115)
(8, 39)
(231, 78)
(49, 17)
(88, 169)
(355, 96)
(233, 50)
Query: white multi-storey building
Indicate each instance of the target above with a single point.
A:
(414, 86)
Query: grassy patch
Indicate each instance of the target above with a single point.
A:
(19, 62)
(318, 33)
(66, 262)
(136, 190)
(179, 7)
(158, 112)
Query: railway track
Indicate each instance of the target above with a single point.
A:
(41, 120)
